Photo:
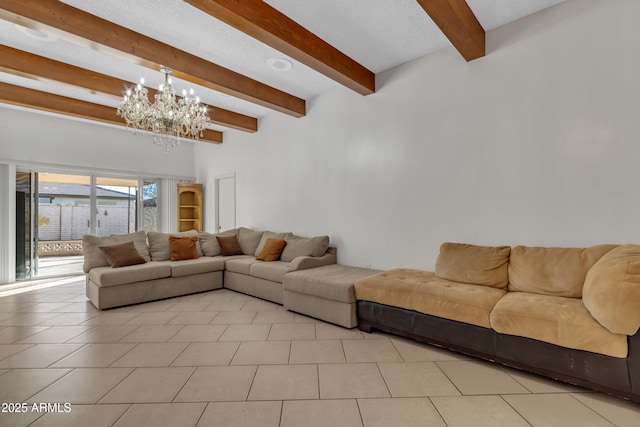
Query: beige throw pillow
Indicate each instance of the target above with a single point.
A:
(249, 240)
(304, 246)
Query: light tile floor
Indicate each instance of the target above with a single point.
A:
(226, 359)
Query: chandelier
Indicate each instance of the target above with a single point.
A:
(171, 120)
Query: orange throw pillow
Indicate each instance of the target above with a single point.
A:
(272, 250)
(183, 247)
(229, 245)
(122, 255)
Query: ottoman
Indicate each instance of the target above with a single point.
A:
(325, 293)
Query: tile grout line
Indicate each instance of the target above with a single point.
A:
(195, 368)
(121, 415)
(318, 376)
(50, 384)
(437, 363)
(514, 409)
(429, 398)
(253, 379)
(384, 380)
(591, 409)
(281, 413)
(206, 406)
(127, 352)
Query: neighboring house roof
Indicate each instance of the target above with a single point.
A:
(76, 190)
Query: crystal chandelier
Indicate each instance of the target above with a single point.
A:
(171, 120)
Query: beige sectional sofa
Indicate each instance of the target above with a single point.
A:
(325, 293)
(158, 277)
(567, 313)
(244, 273)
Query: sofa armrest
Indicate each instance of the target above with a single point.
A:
(306, 262)
(611, 290)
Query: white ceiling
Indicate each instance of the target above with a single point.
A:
(379, 34)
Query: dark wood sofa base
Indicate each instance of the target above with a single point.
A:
(610, 375)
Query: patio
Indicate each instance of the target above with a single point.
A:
(52, 266)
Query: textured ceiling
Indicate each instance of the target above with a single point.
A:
(379, 34)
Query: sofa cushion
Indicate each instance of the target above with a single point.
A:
(93, 256)
(332, 282)
(272, 250)
(304, 246)
(426, 293)
(556, 320)
(393, 287)
(239, 264)
(209, 243)
(122, 255)
(273, 271)
(612, 290)
(249, 240)
(232, 257)
(477, 265)
(196, 266)
(552, 271)
(468, 303)
(269, 235)
(159, 246)
(183, 247)
(107, 276)
(229, 245)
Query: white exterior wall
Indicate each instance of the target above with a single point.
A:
(68, 222)
(535, 144)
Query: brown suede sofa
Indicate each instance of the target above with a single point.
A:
(571, 314)
(157, 277)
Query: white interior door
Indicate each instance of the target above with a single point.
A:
(225, 202)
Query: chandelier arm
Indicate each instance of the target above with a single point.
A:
(170, 119)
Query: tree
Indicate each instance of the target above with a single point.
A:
(43, 220)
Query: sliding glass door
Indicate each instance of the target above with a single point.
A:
(54, 211)
(24, 225)
(116, 206)
(149, 207)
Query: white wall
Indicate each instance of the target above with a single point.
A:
(7, 223)
(536, 144)
(45, 142)
(36, 138)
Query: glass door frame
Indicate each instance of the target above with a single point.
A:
(94, 178)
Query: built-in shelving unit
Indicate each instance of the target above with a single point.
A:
(190, 207)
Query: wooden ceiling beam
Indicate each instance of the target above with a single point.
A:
(268, 25)
(30, 98)
(457, 21)
(25, 64)
(72, 24)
